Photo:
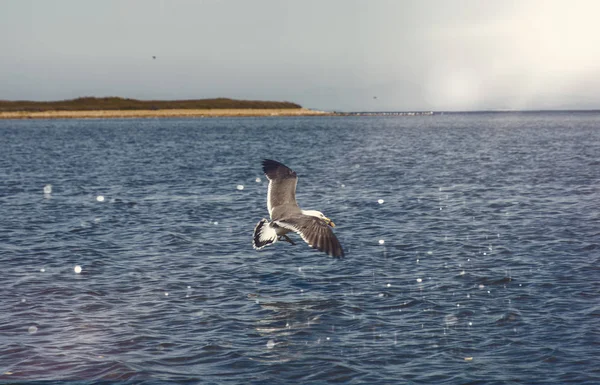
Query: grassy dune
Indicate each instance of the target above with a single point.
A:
(114, 107)
(116, 103)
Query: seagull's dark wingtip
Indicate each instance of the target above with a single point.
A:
(270, 164)
(337, 251)
(273, 169)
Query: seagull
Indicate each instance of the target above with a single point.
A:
(286, 216)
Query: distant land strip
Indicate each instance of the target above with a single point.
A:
(115, 107)
(117, 103)
(174, 113)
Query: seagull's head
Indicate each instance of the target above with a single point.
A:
(320, 215)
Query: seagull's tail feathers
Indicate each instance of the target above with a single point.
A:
(264, 234)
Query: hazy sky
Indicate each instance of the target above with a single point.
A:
(325, 54)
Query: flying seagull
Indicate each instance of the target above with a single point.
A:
(286, 216)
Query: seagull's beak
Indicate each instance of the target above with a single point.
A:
(329, 222)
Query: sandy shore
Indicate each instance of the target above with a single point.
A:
(101, 114)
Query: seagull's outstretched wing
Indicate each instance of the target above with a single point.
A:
(315, 232)
(282, 185)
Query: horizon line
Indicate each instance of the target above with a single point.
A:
(465, 111)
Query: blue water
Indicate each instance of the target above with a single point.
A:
(488, 274)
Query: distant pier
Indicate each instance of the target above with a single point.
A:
(386, 113)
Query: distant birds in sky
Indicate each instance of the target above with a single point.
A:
(286, 216)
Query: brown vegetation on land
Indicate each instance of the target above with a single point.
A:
(116, 103)
(114, 107)
(101, 114)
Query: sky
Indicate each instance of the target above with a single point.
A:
(335, 55)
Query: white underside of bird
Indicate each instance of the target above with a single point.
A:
(270, 232)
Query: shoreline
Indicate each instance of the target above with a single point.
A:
(166, 113)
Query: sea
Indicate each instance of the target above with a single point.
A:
(472, 246)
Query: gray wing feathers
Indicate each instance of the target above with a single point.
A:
(282, 192)
(282, 188)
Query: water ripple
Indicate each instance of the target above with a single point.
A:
(487, 273)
